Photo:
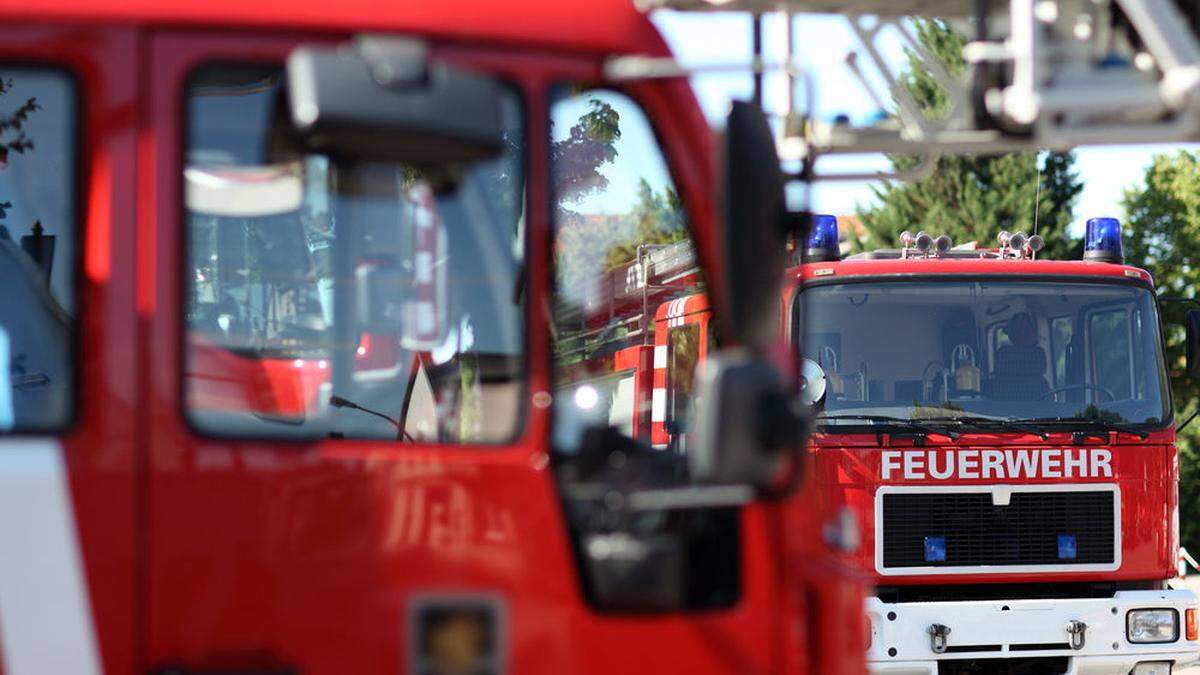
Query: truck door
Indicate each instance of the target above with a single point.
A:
(292, 519)
(67, 349)
(624, 256)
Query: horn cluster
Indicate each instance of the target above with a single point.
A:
(922, 244)
(1019, 245)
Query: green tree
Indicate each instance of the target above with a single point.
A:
(658, 218)
(1163, 236)
(971, 198)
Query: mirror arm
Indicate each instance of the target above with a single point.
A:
(692, 497)
(1187, 421)
(1179, 299)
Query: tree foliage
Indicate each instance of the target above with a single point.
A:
(658, 218)
(13, 136)
(1162, 235)
(970, 198)
(587, 246)
(590, 144)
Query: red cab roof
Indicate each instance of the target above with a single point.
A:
(601, 26)
(981, 267)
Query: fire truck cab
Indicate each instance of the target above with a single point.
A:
(1002, 427)
(301, 333)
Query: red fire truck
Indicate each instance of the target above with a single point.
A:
(1003, 427)
(289, 304)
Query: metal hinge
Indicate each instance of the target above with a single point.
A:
(1078, 632)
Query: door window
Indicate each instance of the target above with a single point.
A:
(334, 298)
(624, 258)
(38, 248)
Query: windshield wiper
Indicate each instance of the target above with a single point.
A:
(1103, 424)
(889, 419)
(974, 420)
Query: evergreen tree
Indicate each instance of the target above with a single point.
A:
(971, 198)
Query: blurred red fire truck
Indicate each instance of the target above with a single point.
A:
(288, 352)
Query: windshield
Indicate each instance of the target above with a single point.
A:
(1011, 350)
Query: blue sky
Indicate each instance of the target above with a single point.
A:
(822, 43)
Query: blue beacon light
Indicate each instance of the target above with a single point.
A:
(1102, 241)
(822, 242)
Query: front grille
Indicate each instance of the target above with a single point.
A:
(975, 532)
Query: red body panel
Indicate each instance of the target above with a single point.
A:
(1140, 469)
(211, 553)
(102, 449)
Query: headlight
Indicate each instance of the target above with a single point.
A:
(1152, 625)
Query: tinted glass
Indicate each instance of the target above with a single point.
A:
(1012, 350)
(340, 299)
(38, 248)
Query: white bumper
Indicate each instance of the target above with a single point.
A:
(901, 642)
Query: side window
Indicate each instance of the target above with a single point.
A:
(1112, 351)
(38, 248)
(683, 355)
(339, 299)
(623, 258)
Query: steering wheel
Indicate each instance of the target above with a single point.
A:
(1071, 387)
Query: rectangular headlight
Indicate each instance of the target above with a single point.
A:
(1144, 626)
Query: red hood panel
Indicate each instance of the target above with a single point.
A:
(1144, 475)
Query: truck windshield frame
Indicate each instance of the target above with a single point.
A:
(1034, 349)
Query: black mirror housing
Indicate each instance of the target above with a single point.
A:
(745, 423)
(384, 100)
(755, 226)
(1192, 323)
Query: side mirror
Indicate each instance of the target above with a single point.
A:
(1193, 343)
(745, 420)
(382, 99)
(754, 229)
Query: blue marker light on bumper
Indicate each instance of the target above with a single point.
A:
(1102, 241)
(935, 549)
(822, 242)
(1066, 547)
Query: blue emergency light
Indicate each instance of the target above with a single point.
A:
(1067, 548)
(935, 549)
(1102, 242)
(822, 242)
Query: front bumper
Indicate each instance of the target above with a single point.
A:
(902, 644)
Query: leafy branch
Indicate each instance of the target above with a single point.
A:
(13, 136)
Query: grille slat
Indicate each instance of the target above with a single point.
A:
(1025, 532)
